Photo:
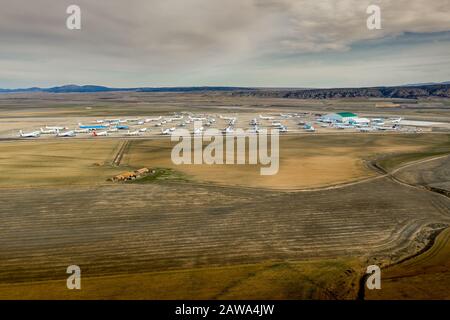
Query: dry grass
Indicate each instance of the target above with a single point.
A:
(305, 161)
(426, 276)
(326, 279)
(58, 162)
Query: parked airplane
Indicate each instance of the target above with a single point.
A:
(165, 132)
(266, 118)
(81, 130)
(133, 133)
(152, 119)
(276, 124)
(396, 120)
(343, 126)
(228, 130)
(197, 118)
(34, 134)
(133, 120)
(254, 122)
(254, 129)
(142, 129)
(198, 130)
(92, 127)
(66, 134)
(175, 118)
(50, 131)
(100, 133)
(383, 128)
(55, 128)
(227, 118)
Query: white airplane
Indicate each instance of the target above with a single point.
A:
(227, 118)
(99, 121)
(55, 128)
(165, 132)
(310, 129)
(113, 130)
(158, 124)
(383, 128)
(228, 130)
(265, 118)
(198, 130)
(285, 115)
(254, 129)
(152, 119)
(100, 133)
(367, 129)
(81, 130)
(378, 121)
(396, 120)
(276, 124)
(343, 126)
(66, 134)
(133, 133)
(197, 118)
(163, 122)
(175, 118)
(34, 134)
(140, 123)
(133, 120)
(50, 131)
(113, 120)
(283, 129)
(142, 129)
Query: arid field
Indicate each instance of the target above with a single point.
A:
(338, 203)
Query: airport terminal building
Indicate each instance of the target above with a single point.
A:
(343, 117)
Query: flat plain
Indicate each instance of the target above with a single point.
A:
(222, 232)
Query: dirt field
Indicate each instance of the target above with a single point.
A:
(426, 276)
(210, 236)
(305, 162)
(132, 229)
(327, 279)
(61, 162)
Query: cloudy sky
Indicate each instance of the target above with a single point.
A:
(274, 43)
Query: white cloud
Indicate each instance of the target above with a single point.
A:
(145, 37)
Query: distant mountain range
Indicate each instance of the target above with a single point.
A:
(401, 92)
(72, 88)
(411, 91)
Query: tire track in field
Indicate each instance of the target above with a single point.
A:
(120, 153)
